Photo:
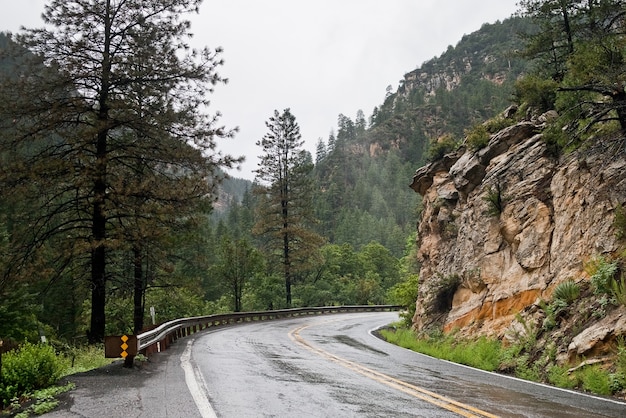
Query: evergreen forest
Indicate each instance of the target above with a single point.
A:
(113, 198)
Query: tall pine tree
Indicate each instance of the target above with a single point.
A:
(107, 132)
(284, 187)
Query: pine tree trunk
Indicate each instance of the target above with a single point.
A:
(98, 253)
(139, 289)
(98, 228)
(287, 270)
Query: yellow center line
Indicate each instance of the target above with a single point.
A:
(415, 391)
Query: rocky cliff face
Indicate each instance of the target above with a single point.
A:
(502, 226)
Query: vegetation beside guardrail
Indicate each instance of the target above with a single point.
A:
(162, 336)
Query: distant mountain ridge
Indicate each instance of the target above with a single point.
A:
(364, 167)
(468, 84)
(428, 100)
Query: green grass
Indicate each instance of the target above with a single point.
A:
(82, 359)
(488, 354)
(481, 353)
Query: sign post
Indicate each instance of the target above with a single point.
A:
(124, 346)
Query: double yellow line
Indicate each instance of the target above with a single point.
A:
(412, 390)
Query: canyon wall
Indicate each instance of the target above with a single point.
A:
(503, 225)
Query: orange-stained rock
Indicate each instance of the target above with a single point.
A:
(493, 311)
(553, 215)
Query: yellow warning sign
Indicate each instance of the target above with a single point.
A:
(116, 346)
(124, 346)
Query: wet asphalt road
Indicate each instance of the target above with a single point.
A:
(319, 366)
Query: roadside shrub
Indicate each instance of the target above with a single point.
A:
(596, 380)
(30, 367)
(405, 294)
(618, 379)
(527, 370)
(559, 377)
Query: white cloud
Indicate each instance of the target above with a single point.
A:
(320, 58)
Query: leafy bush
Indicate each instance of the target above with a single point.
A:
(567, 291)
(31, 367)
(498, 123)
(477, 137)
(559, 377)
(441, 147)
(602, 274)
(606, 279)
(525, 369)
(405, 294)
(596, 380)
(552, 311)
(539, 93)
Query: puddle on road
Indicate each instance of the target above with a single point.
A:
(344, 339)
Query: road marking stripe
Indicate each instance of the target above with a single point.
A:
(195, 383)
(415, 391)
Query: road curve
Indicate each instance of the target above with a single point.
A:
(332, 365)
(314, 366)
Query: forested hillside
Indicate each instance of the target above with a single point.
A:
(360, 173)
(361, 208)
(362, 169)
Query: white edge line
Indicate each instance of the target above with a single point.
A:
(572, 392)
(196, 384)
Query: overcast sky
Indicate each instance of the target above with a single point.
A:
(318, 57)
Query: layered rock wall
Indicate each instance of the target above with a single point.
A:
(502, 226)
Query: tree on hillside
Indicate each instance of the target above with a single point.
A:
(104, 127)
(585, 41)
(237, 263)
(553, 40)
(285, 213)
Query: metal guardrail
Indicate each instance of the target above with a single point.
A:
(168, 332)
